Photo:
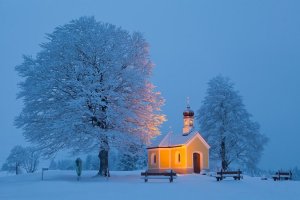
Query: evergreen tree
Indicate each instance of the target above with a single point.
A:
(133, 157)
(227, 126)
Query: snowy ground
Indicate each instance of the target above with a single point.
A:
(129, 185)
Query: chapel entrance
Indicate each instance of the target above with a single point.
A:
(196, 162)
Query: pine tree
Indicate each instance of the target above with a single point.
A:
(89, 85)
(227, 126)
(133, 157)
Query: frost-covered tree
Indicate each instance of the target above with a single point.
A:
(228, 127)
(15, 159)
(87, 86)
(133, 156)
(22, 157)
(91, 162)
(65, 164)
(31, 159)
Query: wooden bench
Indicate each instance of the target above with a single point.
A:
(282, 176)
(237, 175)
(171, 175)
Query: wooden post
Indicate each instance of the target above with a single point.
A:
(221, 174)
(146, 176)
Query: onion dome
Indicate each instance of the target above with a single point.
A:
(188, 112)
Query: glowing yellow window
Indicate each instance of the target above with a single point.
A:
(177, 157)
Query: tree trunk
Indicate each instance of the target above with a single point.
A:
(103, 158)
(17, 168)
(223, 155)
(103, 161)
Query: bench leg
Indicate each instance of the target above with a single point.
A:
(146, 180)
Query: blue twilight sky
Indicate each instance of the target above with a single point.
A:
(256, 43)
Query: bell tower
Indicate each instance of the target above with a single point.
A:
(188, 119)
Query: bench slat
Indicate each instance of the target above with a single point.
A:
(155, 177)
(237, 175)
(157, 174)
(281, 174)
(230, 172)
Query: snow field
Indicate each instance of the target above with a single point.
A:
(130, 186)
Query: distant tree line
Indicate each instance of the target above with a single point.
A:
(26, 159)
(132, 160)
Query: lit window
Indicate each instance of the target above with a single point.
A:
(153, 159)
(186, 122)
(191, 123)
(177, 157)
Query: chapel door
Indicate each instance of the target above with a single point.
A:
(196, 161)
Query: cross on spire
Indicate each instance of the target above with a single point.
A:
(188, 102)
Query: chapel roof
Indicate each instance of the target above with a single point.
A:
(172, 140)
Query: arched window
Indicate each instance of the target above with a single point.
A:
(153, 158)
(177, 157)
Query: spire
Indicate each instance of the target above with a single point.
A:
(188, 111)
(188, 118)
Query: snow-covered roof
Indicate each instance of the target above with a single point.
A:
(171, 140)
